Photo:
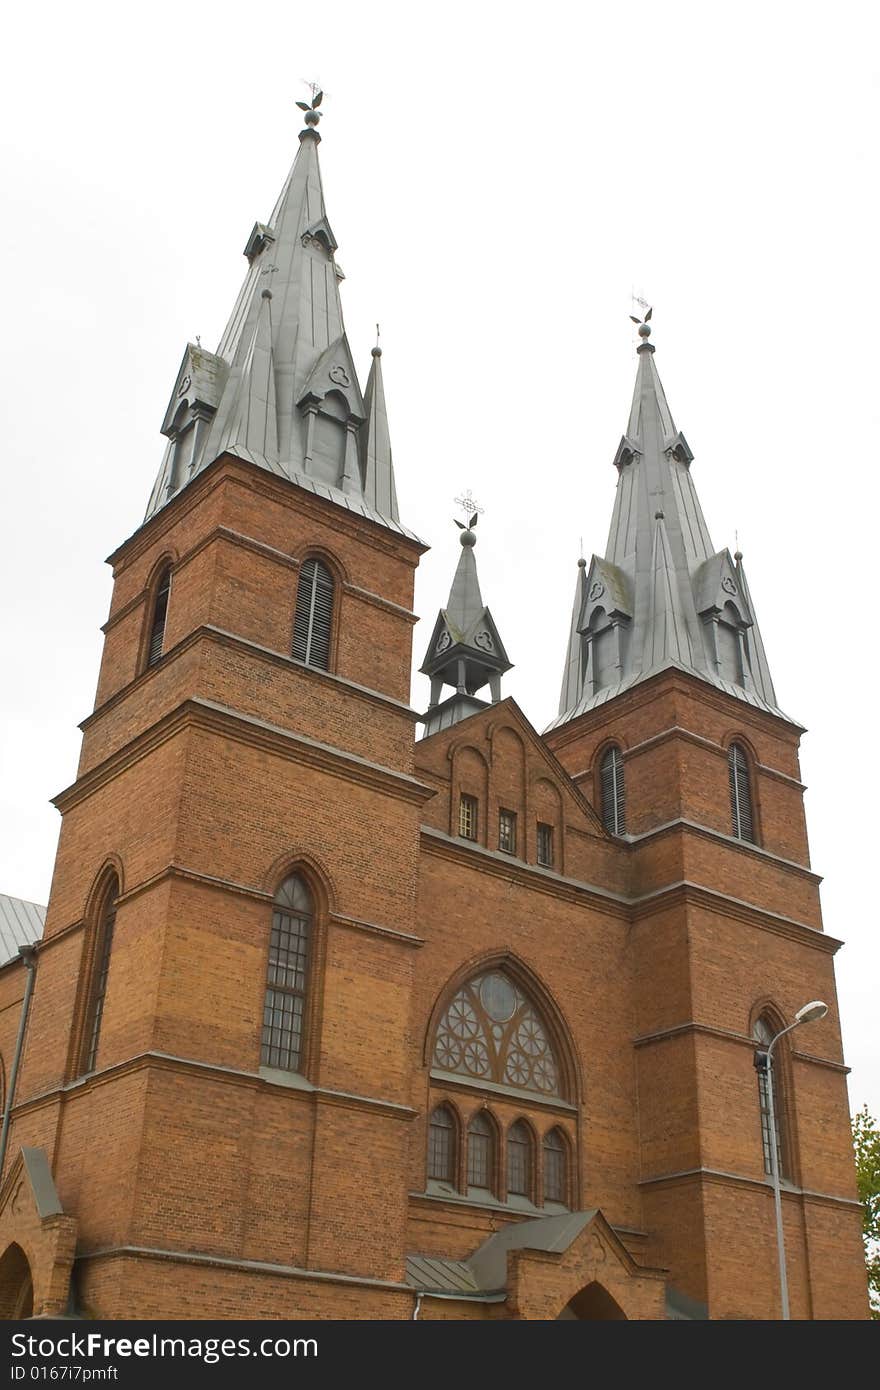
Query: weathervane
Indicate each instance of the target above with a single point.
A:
(312, 114)
(645, 323)
(471, 509)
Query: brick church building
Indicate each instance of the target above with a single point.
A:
(347, 1010)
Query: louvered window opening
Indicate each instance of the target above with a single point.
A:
(507, 832)
(160, 613)
(545, 844)
(554, 1167)
(479, 1152)
(314, 615)
(467, 817)
(101, 970)
(519, 1160)
(441, 1133)
(613, 793)
(740, 794)
(287, 981)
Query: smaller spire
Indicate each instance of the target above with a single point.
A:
(465, 650)
(378, 468)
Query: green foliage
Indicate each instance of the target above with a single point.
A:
(866, 1142)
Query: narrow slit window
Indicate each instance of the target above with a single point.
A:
(313, 617)
(613, 794)
(763, 1034)
(545, 844)
(441, 1146)
(507, 831)
(160, 613)
(740, 794)
(479, 1151)
(555, 1175)
(467, 817)
(284, 1009)
(519, 1160)
(100, 971)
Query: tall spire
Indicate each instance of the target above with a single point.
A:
(661, 596)
(465, 650)
(282, 391)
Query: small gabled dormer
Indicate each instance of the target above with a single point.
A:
(605, 624)
(726, 617)
(332, 411)
(192, 407)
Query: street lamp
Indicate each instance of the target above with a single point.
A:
(810, 1013)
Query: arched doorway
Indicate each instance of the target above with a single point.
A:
(592, 1303)
(16, 1285)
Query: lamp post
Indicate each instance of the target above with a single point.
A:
(764, 1061)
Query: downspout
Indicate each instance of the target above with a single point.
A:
(28, 954)
(415, 1315)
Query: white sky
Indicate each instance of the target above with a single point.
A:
(499, 178)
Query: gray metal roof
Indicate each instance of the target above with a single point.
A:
(661, 595)
(21, 923)
(282, 358)
(430, 1273)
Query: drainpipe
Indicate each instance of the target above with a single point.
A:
(28, 954)
(417, 1307)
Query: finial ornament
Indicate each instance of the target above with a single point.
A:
(644, 324)
(473, 512)
(312, 116)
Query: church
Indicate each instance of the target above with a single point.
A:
(345, 1009)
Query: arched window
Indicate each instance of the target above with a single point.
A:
(160, 612)
(763, 1033)
(480, 1155)
(519, 1160)
(491, 1031)
(100, 971)
(555, 1153)
(441, 1145)
(740, 793)
(288, 976)
(314, 615)
(612, 791)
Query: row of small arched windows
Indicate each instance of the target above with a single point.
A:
(612, 792)
(312, 619)
(495, 1163)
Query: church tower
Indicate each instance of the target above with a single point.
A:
(218, 1028)
(669, 723)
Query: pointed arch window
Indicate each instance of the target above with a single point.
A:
(519, 1160)
(555, 1153)
(100, 971)
(160, 613)
(313, 617)
(491, 1031)
(441, 1145)
(290, 947)
(763, 1033)
(612, 791)
(741, 814)
(480, 1151)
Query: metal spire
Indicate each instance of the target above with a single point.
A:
(661, 596)
(465, 650)
(292, 361)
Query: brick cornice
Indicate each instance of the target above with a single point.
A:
(229, 467)
(728, 1035)
(208, 632)
(684, 890)
(483, 860)
(164, 1061)
(718, 1175)
(208, 716)
(708, 832)
(645, 693)
(679, 732)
